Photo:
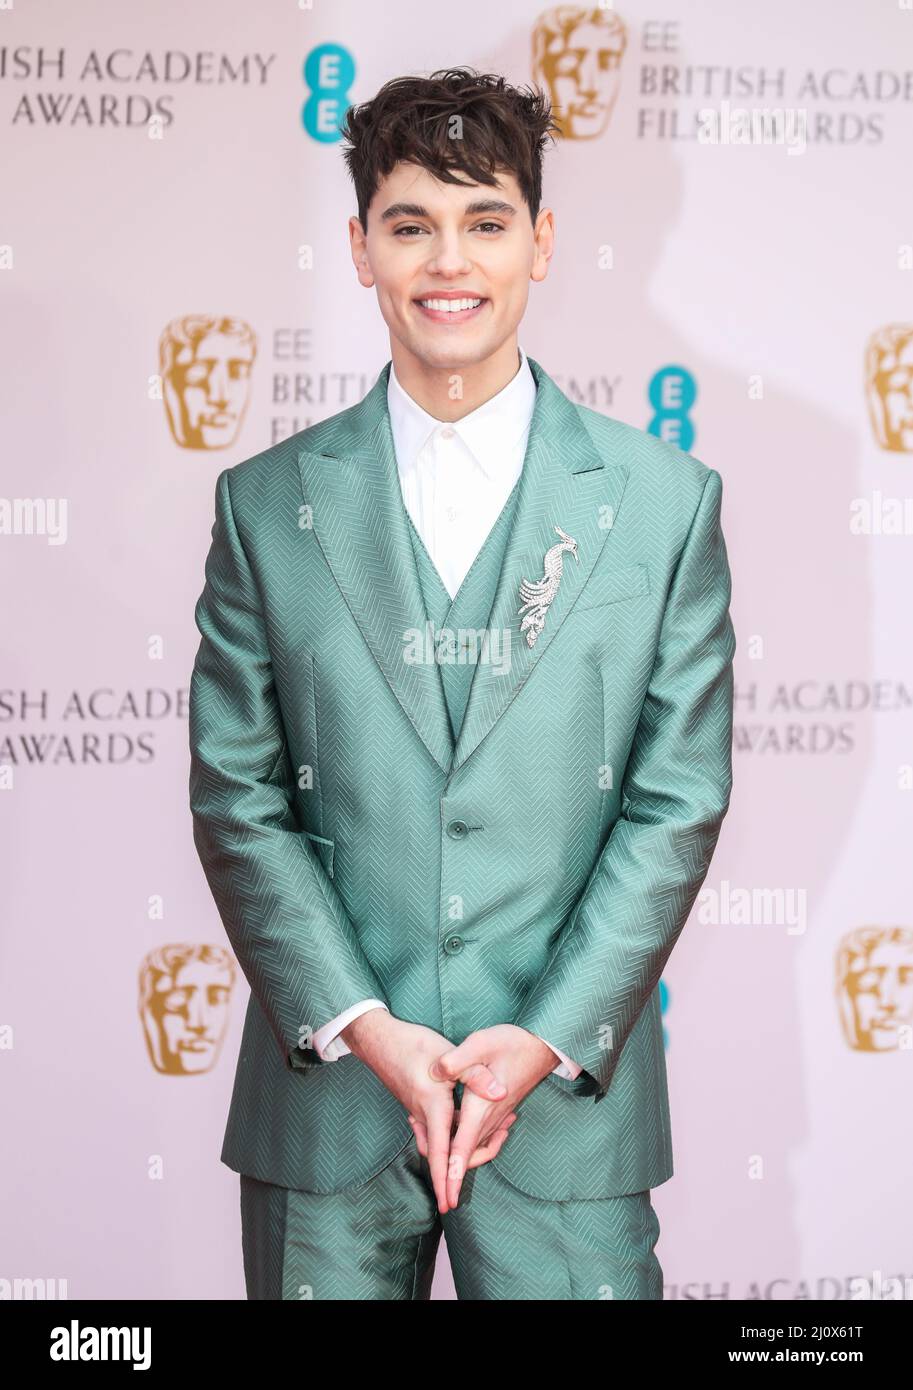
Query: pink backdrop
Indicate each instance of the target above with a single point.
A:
(773, 279)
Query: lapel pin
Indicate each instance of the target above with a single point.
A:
(537, 594)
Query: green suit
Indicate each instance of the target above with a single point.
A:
(514, 839)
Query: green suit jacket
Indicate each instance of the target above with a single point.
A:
(538, 868)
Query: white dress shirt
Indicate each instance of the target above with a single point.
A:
(455, 479)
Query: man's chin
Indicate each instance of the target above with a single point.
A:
(454, 354)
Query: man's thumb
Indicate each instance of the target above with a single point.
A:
(446, 1067)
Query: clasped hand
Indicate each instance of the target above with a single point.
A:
(497, 1067)
(511, 1062)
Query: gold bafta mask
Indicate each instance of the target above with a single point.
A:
(875, 986)
(205, 365)
(577, 53)
(889, 386)
(184, 993)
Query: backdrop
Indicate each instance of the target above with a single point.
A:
(733, 272)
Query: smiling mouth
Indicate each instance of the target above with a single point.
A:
(451, 310)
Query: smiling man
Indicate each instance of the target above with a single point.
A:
(452, 881)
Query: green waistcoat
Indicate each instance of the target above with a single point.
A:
(459, 624)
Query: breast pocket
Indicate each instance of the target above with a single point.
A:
(614, 585)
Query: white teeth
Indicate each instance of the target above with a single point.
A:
(449, 306)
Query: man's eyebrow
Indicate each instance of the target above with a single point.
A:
(495, 205)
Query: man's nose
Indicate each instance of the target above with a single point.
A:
(449, 256)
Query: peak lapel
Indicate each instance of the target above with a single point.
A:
(360, 522)
(564, 482)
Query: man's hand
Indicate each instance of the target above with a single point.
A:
(403, 1055)
(488, 1147)
(519, 1058)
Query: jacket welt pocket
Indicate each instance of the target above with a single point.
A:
(613, 586)
(324, 849)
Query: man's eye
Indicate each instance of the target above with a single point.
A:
(409, 231)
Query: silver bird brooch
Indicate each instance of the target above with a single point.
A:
(537, 594)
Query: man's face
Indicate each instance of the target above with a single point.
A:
(428, 239)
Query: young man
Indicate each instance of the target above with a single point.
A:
(460, 734)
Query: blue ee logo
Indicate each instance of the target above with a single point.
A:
(672, 393)
(329, 72)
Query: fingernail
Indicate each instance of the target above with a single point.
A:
(496, 1088)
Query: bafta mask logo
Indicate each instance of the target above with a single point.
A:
(184, 994)
(875, 987)
(205, 365)
(889, 386)
(577, 53)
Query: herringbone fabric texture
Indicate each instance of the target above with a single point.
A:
(458, 621)
(379, 1241)
(537, 867)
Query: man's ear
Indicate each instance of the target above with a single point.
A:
(358, 243)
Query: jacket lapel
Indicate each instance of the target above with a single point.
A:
(565, 482)
(350, 480)
(360, 521)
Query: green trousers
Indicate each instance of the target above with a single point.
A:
(379, 1240)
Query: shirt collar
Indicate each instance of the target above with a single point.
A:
(490, 432)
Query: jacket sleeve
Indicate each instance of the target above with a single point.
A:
(675, 792)
(284, 919)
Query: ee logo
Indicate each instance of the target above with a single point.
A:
(672, 393)
(329, 72)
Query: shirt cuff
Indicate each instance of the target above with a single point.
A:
(327, 1043)
(567, 1068)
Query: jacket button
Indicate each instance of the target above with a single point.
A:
(453, 945)
(457, 829)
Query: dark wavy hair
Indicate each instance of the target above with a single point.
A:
(412, 118)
